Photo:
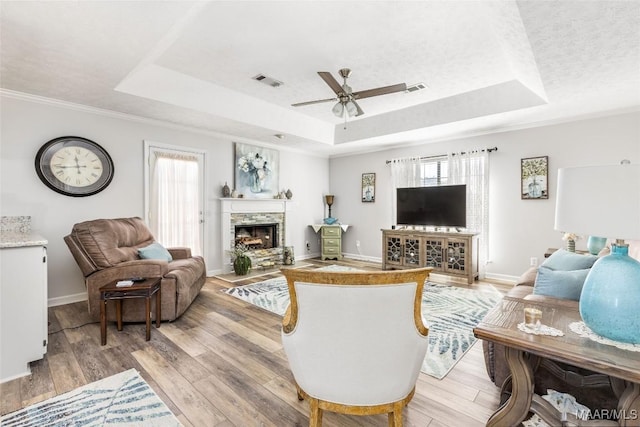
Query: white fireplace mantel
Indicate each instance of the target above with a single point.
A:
(231, 206)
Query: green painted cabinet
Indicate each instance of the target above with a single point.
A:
(331, 241)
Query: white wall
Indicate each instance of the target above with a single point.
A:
(519, 229)
(27, 125)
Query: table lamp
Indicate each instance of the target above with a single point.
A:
(605, 201)
(329, 200)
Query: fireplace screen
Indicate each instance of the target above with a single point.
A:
(258, 236)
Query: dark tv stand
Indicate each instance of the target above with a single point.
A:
(450, 253)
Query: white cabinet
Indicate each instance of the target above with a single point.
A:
(23, 309)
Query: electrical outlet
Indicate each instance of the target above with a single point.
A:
(358, 243)
(308, 246)
(533, 262)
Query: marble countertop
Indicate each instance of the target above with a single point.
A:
(10, 239)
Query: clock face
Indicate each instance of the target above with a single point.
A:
(74, 166)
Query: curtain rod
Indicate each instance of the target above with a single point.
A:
(488, 150)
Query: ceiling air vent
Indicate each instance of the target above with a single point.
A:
(269, 81)
(416, 87)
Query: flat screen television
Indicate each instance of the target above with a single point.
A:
(438, 206)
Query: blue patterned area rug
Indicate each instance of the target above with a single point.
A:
(124, 399)
(450, 312)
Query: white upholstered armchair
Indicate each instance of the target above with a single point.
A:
(355, 341)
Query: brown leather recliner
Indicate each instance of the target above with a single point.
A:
(107, 250)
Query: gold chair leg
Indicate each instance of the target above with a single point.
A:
(395, 417)
(315, 418)
(299, 391)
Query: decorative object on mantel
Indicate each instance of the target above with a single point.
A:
(533, 177)
(329, 200)
(369, 187)
(226, 191)
(234, 193)
(596, 244)
(241, 261)
(257, 171)
(608, 206)
(289, 194)
(570, 238)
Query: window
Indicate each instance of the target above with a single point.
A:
(434, 172)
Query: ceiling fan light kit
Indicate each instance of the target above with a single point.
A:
(346, 97)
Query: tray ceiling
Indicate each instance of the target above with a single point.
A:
(488, 65)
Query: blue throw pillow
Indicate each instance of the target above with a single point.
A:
(565, 261)
(155, 251)
(560, 284)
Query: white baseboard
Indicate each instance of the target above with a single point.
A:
(212, 273)
(360, 257)
(307, 255)
(67, 299)
(501, 278)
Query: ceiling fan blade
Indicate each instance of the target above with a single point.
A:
(331, 81)
(401, 87)
(300, 104)
(360, 112)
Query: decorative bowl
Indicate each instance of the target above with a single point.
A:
(330, 220)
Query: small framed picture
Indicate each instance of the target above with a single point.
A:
(369, 187)
(534, 172)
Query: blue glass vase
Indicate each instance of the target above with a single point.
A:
(610, 296)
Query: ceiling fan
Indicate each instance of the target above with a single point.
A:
(346, 97)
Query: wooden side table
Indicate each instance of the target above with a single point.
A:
(144, 289)
(522, 350)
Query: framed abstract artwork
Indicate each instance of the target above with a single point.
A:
(256, 171)
(368, 187)
(534, 183)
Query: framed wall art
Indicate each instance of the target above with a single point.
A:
(368, 187)
(534, 172)
(256, 171)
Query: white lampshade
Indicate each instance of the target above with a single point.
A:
(599, 201)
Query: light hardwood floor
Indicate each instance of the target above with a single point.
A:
(222, 364)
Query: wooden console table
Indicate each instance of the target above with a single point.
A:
(522, 352)
(452, 254)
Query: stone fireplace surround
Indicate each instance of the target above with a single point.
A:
(252, 212)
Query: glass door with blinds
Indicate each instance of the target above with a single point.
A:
(174, 195)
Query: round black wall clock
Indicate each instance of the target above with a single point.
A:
(74, 166)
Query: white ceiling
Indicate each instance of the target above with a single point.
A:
(488, 65)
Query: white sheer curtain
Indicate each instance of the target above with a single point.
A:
(175, 201)
(472, 169)
(404, 173)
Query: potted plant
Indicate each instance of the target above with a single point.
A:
(241, 261)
